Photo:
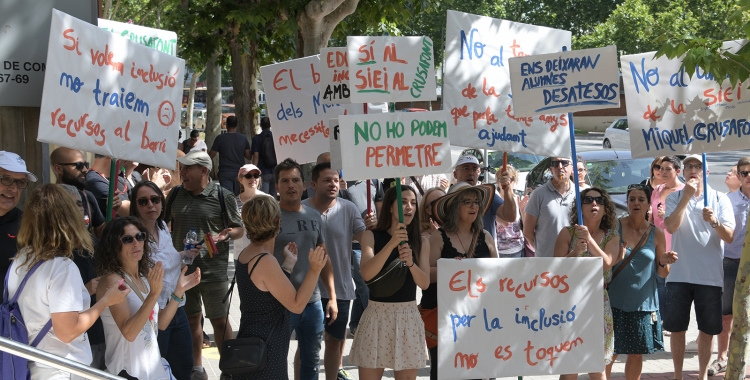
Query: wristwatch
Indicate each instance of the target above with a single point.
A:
(714, 225)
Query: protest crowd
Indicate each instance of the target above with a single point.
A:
(120, 264)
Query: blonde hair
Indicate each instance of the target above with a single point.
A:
(51, 226)
(511, 170)
(425, 219)
(261, 216)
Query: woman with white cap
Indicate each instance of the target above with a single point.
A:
(249, 179)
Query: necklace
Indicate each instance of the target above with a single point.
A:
(465, 254)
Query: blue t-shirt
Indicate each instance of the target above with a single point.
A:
(634, 288)
(489, 221)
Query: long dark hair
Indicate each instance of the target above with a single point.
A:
(412, 229)
(108, 250)
(134, 202)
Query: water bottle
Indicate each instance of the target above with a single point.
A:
(191, 240)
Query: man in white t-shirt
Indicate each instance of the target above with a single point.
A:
(699, 229)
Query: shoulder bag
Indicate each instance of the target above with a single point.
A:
(632, 253)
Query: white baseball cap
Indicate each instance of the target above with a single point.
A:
(14, 163)
(467, 159)
(196, 157)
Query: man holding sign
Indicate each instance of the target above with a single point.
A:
(699, 227)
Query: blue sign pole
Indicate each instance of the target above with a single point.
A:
(575, 167)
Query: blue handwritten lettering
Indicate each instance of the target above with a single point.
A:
(478, 47)
(650, 77)
(502, 136)
(460, 321)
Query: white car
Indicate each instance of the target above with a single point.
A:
(617, 136)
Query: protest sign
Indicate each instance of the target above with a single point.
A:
(161, 40)
(298, 115)
(508, 318)
(391, 69)
(570, 81)
(108, 95)
(334, 76)
(670, 113)
(395, 144)
(476, 85)
(336, 162)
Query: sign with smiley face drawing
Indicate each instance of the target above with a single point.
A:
(106, 94)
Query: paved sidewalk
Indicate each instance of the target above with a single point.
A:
(656, 366)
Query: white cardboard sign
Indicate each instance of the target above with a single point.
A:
(477, 91)
(391, 69)
(569, 81)
(108, 95)
(334, 76)
(669, 113)
(298, 115)
(161, 40)
(336, 161)
(520, 317)
(395, 144)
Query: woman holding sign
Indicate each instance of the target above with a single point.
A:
(395, 260)
(632, 290)
(595, 238)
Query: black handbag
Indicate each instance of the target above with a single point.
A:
(389, 280)
(243, 355)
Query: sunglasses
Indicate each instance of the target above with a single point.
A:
(744, 173)
(155, 200)
(129, 239)
(9, 181)
(587, 200)
(657, 167)
(79, 165)
(637, 186)
(555, 163)
(252, 175)
(581, 170)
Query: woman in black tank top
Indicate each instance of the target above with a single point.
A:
(391, 332)
(460, 236)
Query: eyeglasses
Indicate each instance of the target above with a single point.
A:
(129, 239)
(587, 200)
(744, 174)
(155, 200)
(251, 175)
(657, 167)
(469, 168)
(468, 202)
(581, 170)
(9, 181)
(637, 186)
(555, 163)
(79, 165)
(696, 167)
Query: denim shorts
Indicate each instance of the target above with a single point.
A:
(731, 266)
(680, 298)
(337, 329)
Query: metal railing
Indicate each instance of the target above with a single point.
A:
(34, 354)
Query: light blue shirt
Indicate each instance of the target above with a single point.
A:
(740, 204)
(634, 288)
(700, 250)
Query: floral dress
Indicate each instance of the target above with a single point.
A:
(609, 332)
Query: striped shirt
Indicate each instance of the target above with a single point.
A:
(203, 212)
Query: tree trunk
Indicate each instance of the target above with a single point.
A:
(213, 104)
(240, 79)
(191, 99)
(738, 340)
(317, 22)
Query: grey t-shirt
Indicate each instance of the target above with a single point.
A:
(358, 192)
(551, 210)
(340, 223)
(231, 148)
(304, 228)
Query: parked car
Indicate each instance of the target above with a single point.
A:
(612, 170)
(199, 119)
(617, 136)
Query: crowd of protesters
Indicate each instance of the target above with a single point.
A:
(130, 295)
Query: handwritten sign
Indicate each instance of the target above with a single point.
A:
(571, 81)
(161, 40)
(511, 318)
(395, 144)
(295, 105)
(391, 69)
(477, 91)
(108, 95)
(334, 76)
(669, 113)
(336, 161)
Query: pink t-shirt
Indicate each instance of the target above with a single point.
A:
(658, 221)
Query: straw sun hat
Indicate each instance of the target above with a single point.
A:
(486, 193)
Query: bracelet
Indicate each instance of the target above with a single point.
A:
(412, 264)
(662, 265)
(178, 299)
(714, 225)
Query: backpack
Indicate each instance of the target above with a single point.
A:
(13, 327)
(173, 195)
(267, 150)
